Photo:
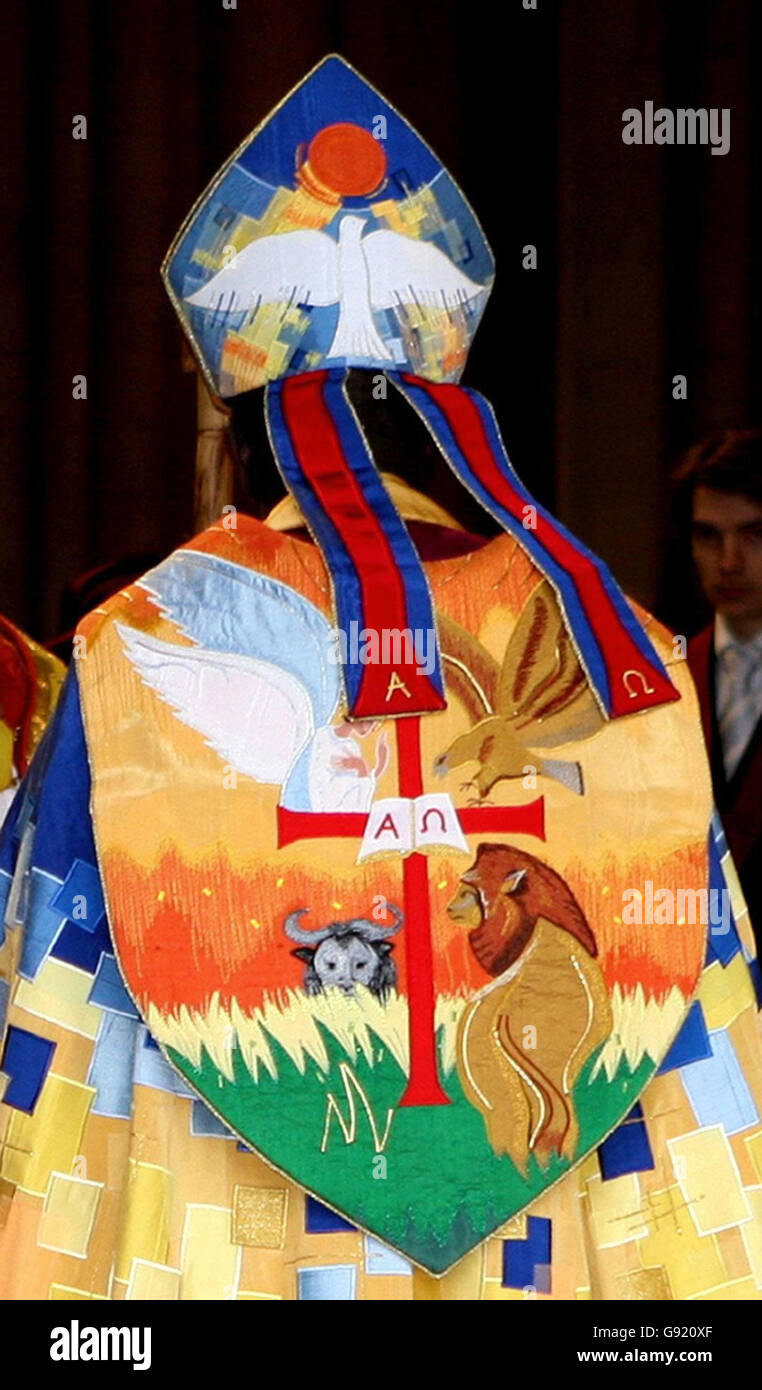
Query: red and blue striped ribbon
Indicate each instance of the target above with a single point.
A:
(621, 664)
(379, 586)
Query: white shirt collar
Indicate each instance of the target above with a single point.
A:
(724, 638)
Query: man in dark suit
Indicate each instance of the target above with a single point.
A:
(721, 482)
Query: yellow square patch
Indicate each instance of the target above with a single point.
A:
(145, 1233)
(644, 1284)
(7, 1190)
(59, 994)
(709, 1179)
(259, 1216)
(153, 1283)
(49, 1140)
(211, 1264)
(69, 1213)
(725, 991)
(62, 1293)
(617, 1210)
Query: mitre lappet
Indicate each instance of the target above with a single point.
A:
(365, 833)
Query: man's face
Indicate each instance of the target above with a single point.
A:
(726, 537)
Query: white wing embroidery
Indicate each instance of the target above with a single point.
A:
(403, 270)
(255, 715)
(288, 266)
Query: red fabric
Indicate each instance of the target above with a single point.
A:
(18, 689)
(519, 820)
(321, 457)
(319, 825)
(423, 1087)
(620, 653)
(432, 541)
(699, 662)
(435, 542)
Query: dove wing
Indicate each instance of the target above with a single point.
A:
(300, 266)
(220, 605)
(253, 714)
(403, 270)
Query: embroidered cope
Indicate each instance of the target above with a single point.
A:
(367, 929)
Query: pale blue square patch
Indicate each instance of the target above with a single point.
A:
(335, 1283)
(717, 1088)
(381, 1259)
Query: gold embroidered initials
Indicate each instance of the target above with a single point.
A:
(396, 683)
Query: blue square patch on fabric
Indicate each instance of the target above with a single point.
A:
(82, 948)
(628, 1149)
(723, 941)
(691, 1044)
(204, 1123)
(112, 1068)
(526, 1263)
(153, 1069)
(755, 970)
(717, 834)
(381, 1259)
(717, 1088)
(43, 923)
(108, 990)
(320, 1220)
(80, 897)
(26, 1060)
(329, 1283)
(5, 889)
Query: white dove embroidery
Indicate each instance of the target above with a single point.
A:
(382, 270)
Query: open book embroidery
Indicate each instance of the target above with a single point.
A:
(398, 825)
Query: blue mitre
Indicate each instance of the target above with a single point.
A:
(332, 237)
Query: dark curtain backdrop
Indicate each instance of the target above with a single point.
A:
(645, 255)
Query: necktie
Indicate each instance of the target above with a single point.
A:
(736, 712)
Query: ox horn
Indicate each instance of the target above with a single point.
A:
(296, 933)
(373, 931)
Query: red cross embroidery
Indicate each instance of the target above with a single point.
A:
(424, 1086)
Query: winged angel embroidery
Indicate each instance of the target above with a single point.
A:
(260, 681)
